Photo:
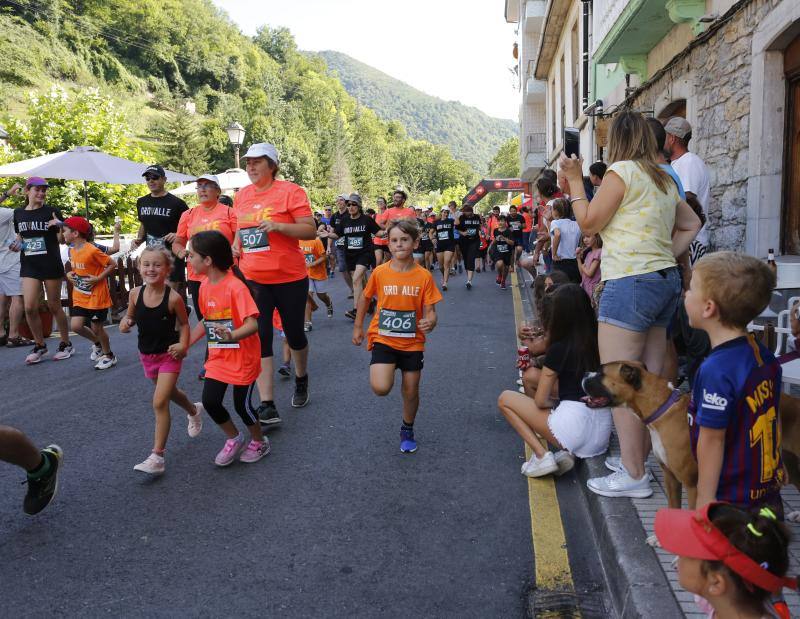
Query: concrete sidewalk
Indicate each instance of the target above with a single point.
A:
(641, 580)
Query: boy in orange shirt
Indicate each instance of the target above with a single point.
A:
(91, 298)
(406, 297)
(314, 252)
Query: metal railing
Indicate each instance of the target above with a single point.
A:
(536, 143)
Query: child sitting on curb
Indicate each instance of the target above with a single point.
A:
(568, 424)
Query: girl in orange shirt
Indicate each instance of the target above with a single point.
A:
(406, 297)
(316, 257)
(230, 328)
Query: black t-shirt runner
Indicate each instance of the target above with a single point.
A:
(160, 216)
(469, 226)
(357, 233)
(500, 239)
(516, 224)
(423, 229)
(444, 230)
(336, 219)
(41, 258)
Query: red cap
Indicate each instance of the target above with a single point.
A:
(692, 534)
(79, 224)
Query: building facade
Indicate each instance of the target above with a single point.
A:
(731, 68)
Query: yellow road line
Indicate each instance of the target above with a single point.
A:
(547, 530)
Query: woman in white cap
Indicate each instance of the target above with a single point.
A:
(209, 214)
(272, 215)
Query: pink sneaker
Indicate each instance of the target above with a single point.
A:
(229, 452)
(255, 451)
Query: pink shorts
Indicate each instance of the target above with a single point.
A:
(160, 363)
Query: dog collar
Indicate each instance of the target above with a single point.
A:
(673, 397)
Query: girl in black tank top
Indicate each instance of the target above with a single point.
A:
(163, 342)
(156, 325)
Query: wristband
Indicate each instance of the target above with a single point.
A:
(573, 200)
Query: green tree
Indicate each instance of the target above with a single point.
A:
(183, 147)
(505, 163)
(58, 121)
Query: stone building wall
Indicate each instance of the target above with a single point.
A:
(718, 72)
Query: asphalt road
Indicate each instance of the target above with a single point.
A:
(334, 522)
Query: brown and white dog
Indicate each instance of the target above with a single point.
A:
(664, 411)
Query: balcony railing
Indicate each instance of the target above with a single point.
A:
(536, 143)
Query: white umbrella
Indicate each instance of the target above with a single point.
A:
(85, 163)
(235, 178)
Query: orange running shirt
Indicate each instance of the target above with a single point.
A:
(392, 213)
(401, 299)
(85, 261)
(227, 303)
(198, 219)
(272, 258)
(380, 219)
(314, 250)
(528, 222)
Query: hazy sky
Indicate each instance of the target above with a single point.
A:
(453, 49)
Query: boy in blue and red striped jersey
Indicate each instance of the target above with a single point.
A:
(734, 423)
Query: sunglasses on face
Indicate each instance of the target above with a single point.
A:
(203, 186)
(352, 204)
(151, 178)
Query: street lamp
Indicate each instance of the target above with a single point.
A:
(236, 138)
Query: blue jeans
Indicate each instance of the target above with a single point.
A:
(640, 302)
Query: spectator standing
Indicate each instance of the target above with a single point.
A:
(11, 304)
(644, 225)
(596, 173)
(693, 174)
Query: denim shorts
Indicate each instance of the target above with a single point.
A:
(640, 302)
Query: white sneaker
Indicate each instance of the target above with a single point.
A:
(620, 484)
(154, 465)
(96, 353)
(65, 351)
(105, 362)
(614, 463)
(539, 467)
(36, 356)
(196, 421)
(565, 461)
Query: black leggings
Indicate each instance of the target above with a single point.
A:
(194, 289)
(214, 393)
(290, 299)
(469, 250)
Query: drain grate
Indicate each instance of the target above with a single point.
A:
(562, 604)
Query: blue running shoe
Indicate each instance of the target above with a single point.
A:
(407, 443)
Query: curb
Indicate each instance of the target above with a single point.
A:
(636, 582)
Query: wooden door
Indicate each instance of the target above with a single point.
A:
(791, 187)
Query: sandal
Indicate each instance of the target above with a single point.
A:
(16, 342)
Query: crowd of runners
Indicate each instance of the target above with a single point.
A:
(258, 265)
(263, 265)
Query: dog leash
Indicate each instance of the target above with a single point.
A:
(671, 400)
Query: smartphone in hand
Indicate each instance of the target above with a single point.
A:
(572, 142)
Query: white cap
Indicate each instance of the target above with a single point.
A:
(263, 150)
(210, 177)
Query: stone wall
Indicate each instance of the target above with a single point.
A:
(719, 71)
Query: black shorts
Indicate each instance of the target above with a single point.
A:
(178, 271)
(94, 315)
(41, 270)
(443, 246)
(506, 257)
(404, 360)
(425, 245)
(364, 258)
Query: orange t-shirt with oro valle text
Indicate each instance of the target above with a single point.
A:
(401, 296)
(314, 250)
(270, 258)
(88, 260)
(199, 219)
(226, 304)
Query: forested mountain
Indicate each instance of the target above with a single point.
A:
(471, 135)
(170, 75)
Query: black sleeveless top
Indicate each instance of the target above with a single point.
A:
(156, 325)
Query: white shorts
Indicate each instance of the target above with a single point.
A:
(320, 286)
(582, 431)
(10, 282)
